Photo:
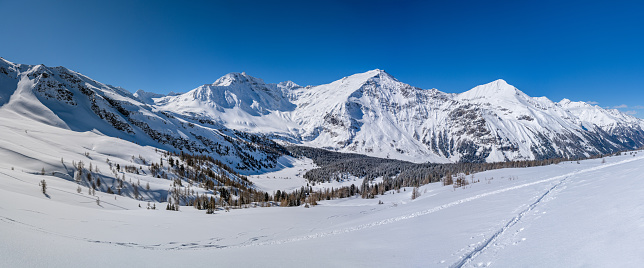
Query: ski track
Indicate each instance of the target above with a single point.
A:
(488, 242)
(435, 209)
(251, 242)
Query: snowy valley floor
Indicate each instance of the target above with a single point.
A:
(566, 215)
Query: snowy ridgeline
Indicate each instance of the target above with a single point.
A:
(42, 136)
(65, 99)
(584, 213)
(373, 113)
(238, 118)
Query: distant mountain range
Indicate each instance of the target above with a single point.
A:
(242, 120)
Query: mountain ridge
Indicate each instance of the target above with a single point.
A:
(498, 117)
(370, 113)
(69, 100)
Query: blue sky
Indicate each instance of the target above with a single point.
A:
(581, 50)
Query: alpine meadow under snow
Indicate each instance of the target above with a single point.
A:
(93, 175)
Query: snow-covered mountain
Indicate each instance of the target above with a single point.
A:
(369, 113)
(66, 99)
(375, 114)
(53, 120)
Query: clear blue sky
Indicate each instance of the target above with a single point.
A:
(581, 50)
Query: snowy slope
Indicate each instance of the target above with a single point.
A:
(565, 215)
(370, 113)
(375, 114)
(68, 100)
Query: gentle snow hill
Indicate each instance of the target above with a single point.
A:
(566, 215)
(373, 113)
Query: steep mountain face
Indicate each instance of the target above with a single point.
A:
(373, 113)
(370, 113)
(69, 100)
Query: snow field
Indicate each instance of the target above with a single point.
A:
(501, 223)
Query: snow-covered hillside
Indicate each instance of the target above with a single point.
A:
(112, 161)
(372, 113)
(71, 101)
(585, 214)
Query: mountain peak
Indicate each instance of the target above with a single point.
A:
(237, 78)
(4, 61)
(567, 103)
(288, 85)
(146, 97)
(498, 89)
(361, 78)
(498, 85)
(379, 73)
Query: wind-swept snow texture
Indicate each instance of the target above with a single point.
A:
(565, 215)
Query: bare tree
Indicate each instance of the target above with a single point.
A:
(43, 186)
(415, 193)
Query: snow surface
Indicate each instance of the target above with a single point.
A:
(291, 177)
(565, 215)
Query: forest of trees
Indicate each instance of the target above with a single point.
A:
(226, 189)
(395, 174)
